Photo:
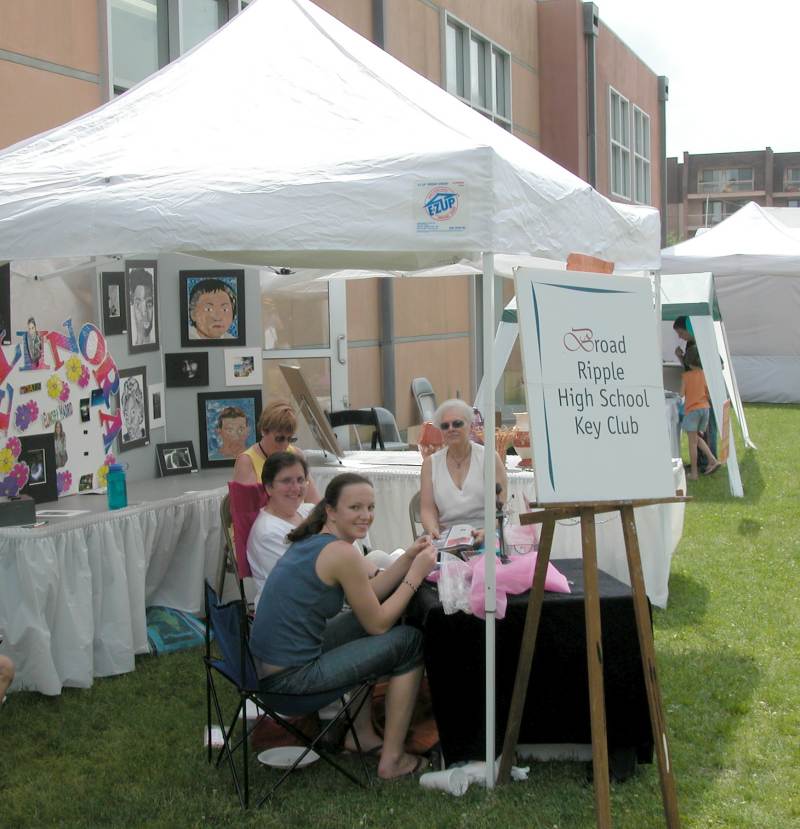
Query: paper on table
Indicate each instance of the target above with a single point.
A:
(60, 513)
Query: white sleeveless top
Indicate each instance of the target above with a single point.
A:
(458, 506)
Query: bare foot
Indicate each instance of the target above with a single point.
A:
(692, 476)
(713, 468)
(405, 765)
(370, 743)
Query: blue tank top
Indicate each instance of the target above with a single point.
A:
(294, 607)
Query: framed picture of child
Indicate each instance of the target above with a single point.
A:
(133, 407)
(112, 302)
(212, 308)
(227, 423)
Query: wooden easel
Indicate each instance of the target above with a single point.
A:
(547, 516)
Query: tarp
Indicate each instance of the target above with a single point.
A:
(754, 256)
(288, 139)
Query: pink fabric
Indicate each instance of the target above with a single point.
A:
(245, 500)
(514, 577)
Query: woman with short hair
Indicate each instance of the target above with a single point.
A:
(451, 481)
(276, 427)
(306, 645)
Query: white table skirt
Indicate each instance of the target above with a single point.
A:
(73, 594)
(659, 527)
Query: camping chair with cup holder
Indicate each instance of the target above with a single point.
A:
(228, 624)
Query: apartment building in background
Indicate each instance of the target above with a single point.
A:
(704, 189)
(548, 71)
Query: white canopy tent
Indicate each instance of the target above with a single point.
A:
(754, 256)
(287, 139)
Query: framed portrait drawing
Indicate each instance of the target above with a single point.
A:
(243, 367)
(5, 304)
(39, 454)
(141, 290)
(189, 368)
(133, 407)
(113, 303)
(227, 422)
(176, 458)
(212, 308)
(157, 414)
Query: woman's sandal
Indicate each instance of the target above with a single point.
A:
(712, 469)
(422, 765)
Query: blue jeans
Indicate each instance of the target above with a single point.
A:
(349, 657)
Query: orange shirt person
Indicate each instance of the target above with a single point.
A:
(697, 410)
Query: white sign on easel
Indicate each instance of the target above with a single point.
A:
(594, 387)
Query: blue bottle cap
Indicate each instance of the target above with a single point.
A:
(115, 467)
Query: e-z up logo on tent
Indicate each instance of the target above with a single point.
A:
(441, 206)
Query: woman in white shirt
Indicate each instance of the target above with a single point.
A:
(285, 479)
(451, 482)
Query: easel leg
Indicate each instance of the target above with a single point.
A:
(647, 649)
(527, 648)
(594, 660)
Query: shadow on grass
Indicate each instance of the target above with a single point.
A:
(688, 601)
(707, 693)
(715, 488)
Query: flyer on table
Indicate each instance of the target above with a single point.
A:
(594, 386)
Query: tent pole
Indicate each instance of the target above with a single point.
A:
(489, 509)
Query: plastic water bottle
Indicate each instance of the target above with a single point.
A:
(115, 487)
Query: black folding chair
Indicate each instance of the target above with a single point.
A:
(230, 627)
(359, 417)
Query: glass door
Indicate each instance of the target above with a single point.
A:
(305, 324)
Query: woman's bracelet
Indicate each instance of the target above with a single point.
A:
(408, 583)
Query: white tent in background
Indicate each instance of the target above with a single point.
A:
(754, 256)
(288, 139)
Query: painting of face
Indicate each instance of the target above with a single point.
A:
(213, 315)
(212, 307)
(227, 425)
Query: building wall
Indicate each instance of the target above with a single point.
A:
(49, 64)
(619, 67)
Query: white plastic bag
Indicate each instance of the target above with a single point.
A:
(455, 580)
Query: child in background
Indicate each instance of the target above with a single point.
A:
(697, 409)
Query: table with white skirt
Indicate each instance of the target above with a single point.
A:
(74, 593)
(395, 476)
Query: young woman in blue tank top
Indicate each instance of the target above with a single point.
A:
(306, 645)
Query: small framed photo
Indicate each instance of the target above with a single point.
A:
(157, 414)
(113, 302)
(141, 290)
(39, 454)
(133, 407)
(86, 482)
(189, 368)
(212, 308)
(227, 422)
(176, 458)
(243, 367)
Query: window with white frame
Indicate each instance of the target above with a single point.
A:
(641, 156)
(793, 202)
(477, 71)
(144, 33)
(725, 180)
(620, 134)
(791, 179)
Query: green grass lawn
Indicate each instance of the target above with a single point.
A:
(128, 752)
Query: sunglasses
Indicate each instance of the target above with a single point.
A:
(456, 424)
(285, 439)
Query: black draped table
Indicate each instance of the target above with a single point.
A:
(557, 705)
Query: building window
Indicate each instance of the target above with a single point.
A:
(728, 180)
(791, 181)
(620, 134)
(145, 33)
(477, 71)
(139, 40)
(793, 203)
(641, 156)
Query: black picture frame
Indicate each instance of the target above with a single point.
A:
(39, 453)
(176, 458)
(113, 302)
(220, 447)
(186, 368)
(5, 304)
(141, 280)
(196, 327)
(133, 406)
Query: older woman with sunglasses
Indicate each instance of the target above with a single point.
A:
(451, 486)
(277, 426)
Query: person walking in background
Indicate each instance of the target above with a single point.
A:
(697, 408)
